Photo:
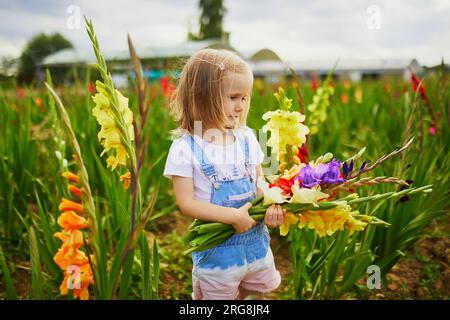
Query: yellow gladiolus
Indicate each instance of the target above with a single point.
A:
(327, 222)
(292, 172)
(286, 129)
(109, 135)
(289, 219)
(307, 195)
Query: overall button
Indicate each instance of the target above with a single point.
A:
(216, 185)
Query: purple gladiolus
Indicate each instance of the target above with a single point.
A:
(306, 176)
(323, 173)
(332, 174)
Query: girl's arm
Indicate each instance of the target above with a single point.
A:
(259, 172)
(184, 194)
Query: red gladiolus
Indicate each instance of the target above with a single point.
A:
(303, 154)
(167, 86)
(314, 83)
(283, 184)
(20, 93)
(415, 81)
(91, 88)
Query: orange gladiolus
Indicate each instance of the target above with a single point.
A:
(69, 220)
(70, 176)
(68, 256)
(70, 239)
(77, 270)
(126, 178)
(39, 102)
(74, 190)
(67, 205)
(78, 279)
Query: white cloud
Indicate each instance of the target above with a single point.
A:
(297, 30)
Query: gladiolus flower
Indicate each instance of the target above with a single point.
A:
(109, 135)
(69, 220)
(305, 195)
(289, 219)
(75, 191)
(78, 280)
(67, 205)
(314, 83)
(358, 95)
(415, 81)
(327, 222)
(318, 107)
(20, 93)
(322, 173)
(126, 178)
(71, 239)
(68, 256)
(38, 101)
(167, 86)
(303, 154)
(293, 172)
(286, 128)
(271, 195)
(70, 176)
(91, 87)
(283, 184)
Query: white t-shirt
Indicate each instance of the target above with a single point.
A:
(228, 161)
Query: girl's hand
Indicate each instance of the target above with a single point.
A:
(274, 216)
(243, 221)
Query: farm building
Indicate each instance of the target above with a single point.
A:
(265, 63)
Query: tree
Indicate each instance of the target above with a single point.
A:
(8, 66)
(211, 18)
(36, 50)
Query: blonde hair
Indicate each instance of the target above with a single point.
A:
(200, 93)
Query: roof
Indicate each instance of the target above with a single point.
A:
(268, 66)
(353, 65)
(186, 49)
(261, 55)
(69, 56)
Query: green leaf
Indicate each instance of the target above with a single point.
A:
(11, 293)
(155, 267)
(36, 272)
(125, 278)
(145, 267)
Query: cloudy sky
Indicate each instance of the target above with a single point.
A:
(295, 29)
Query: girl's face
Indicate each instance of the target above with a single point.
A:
(237, 91)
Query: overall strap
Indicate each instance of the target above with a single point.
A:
(206, 166)
(243, 141)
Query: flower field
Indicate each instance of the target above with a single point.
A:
(85, 212)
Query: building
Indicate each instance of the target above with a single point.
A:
(265, 63)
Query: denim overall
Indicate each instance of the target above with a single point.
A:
(240, 249)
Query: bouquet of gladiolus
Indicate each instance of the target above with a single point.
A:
(309, 192)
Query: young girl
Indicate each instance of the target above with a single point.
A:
(214, 164)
